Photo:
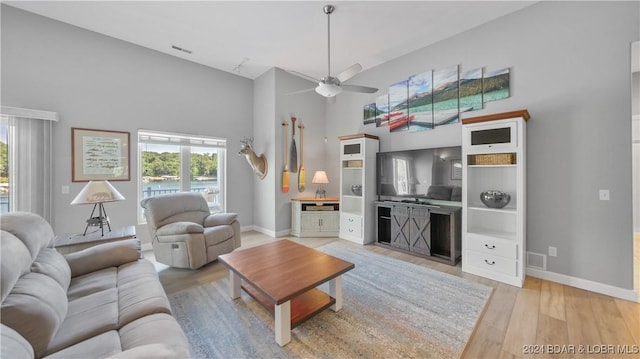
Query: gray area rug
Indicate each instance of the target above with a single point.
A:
(391, 309)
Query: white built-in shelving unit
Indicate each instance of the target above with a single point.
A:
(494, 158)
(358, 167)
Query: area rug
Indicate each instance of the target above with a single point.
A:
(391, 309)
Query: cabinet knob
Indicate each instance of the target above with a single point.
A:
(350, 230)
(350, 219)
(490, 246)
(490, 263)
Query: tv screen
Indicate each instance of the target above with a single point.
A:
(430, 173)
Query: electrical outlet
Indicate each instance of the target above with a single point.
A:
(553, 252)
(604, 194)
(65, 189)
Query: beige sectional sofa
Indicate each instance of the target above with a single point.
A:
(101, 302)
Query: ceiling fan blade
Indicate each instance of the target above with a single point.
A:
(349, 72)
(356, 88)
(306, 77)
(301, 91)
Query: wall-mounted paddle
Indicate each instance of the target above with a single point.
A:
(285, 172)
(301, 172)
(294, 149)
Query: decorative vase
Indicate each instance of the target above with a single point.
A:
(495, 199)
(357, 189)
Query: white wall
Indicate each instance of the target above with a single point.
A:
(94, 81)
(272, 107)
(570, 66)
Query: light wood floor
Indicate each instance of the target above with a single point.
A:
(515, 319)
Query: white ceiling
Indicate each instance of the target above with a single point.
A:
(291, 35)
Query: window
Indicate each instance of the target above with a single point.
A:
(171, 162)
(25, 160)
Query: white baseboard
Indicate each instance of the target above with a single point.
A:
(268, 232)
(617, 292)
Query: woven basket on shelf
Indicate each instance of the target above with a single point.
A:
(493, 159)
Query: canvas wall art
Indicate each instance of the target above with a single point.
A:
(471, 90)
(398, 116)
(496, 85)
(420, 101)
(436, 98)
(445, 96)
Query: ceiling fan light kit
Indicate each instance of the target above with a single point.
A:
(330, 86)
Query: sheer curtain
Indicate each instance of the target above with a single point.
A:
(29, 159)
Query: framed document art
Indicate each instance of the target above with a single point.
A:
(456, 169)
(99, 155)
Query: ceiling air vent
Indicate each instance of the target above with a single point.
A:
(180, 49)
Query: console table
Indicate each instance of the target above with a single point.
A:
(311, 217)
(68, 243)
(426, 230)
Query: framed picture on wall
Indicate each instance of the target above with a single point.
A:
(99, 155)
(456, 169)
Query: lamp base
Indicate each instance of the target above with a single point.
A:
(321, 193)
(98, 221)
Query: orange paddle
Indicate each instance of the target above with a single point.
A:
(285, 172)
(301, 172)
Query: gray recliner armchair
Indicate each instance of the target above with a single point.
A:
(185, 234)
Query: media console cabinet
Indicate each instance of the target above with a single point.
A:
(426, 230)
(315, 217)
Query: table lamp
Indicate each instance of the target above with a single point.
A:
(320, 178)
(97, 193)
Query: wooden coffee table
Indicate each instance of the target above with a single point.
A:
(283, 277)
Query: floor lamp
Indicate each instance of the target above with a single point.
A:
(97, 193)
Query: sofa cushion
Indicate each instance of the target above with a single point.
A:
(35, 308)
(14, 262)
(13, 344)
(33, 230)
(103, 256)
(456, 193)
(155, 329)
(53, 264)
(179, 228)
(439, 192)
(141, 296)
(88, 316)
(176, 207)
(217, 235)
(92, 282)
(101, 346)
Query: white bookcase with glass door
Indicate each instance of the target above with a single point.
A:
(494, 159)
(358, 187)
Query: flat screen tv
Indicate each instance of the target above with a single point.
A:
(422, 174)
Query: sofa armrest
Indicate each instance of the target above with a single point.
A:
(104, 256)
(218, 219)
(175, 228)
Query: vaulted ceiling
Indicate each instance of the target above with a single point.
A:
(249, 37)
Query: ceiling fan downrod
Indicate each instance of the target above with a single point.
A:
(328, 9)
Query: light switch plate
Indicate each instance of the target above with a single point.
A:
(65, 189)
(604, 194)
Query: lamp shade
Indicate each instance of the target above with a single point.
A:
(97, 192)
(320, 177)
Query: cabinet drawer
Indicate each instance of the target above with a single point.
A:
(493, 263)
(351, 225)
(492, 246)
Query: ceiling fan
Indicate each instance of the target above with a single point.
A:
(330, 86)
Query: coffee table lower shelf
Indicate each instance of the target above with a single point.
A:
(303, 306)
